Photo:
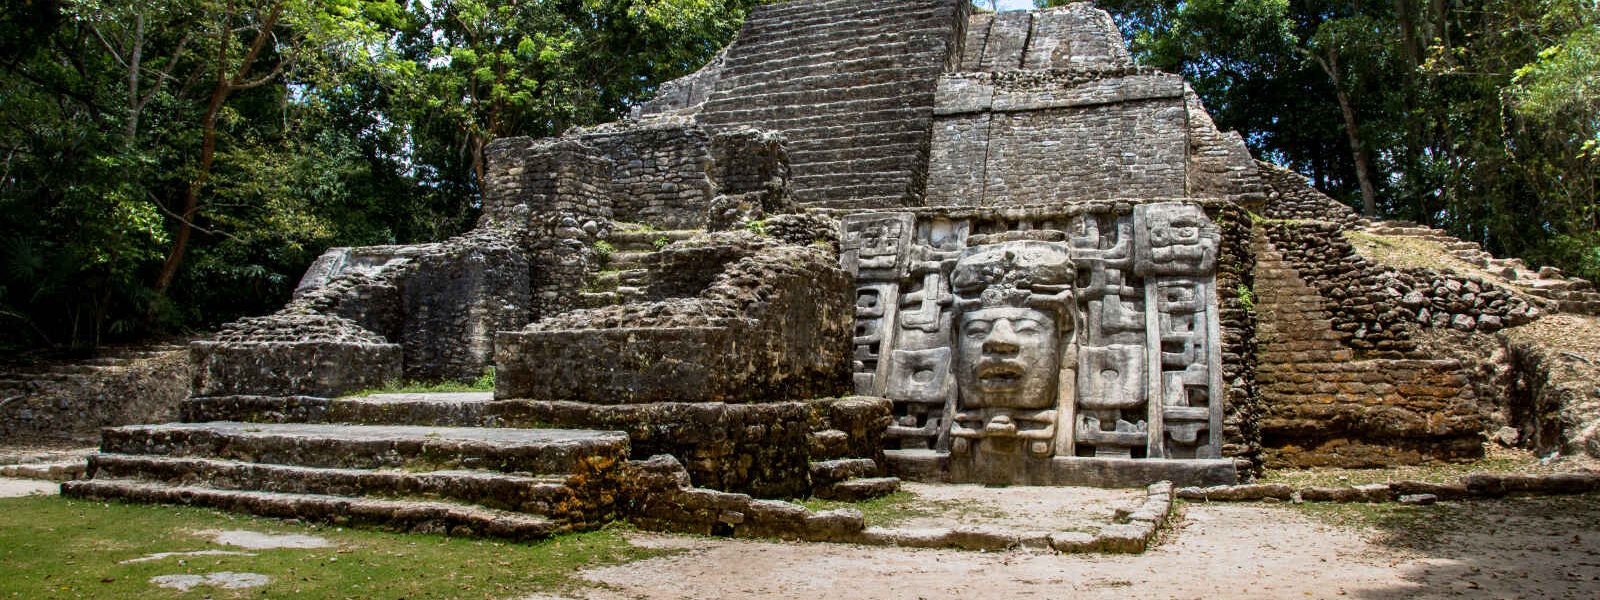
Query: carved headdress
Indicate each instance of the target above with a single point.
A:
(1020, 274)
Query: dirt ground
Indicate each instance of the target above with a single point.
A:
(1492, 549)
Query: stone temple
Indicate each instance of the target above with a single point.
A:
(869, 242)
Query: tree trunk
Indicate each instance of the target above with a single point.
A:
(1352, 129)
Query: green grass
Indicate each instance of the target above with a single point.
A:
(483, 384)
(52, 547)
(884, 511)
(1496, 460)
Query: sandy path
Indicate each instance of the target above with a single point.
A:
(1220, 551)
(12, 488)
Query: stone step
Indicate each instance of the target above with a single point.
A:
(805, 161)
(399, 515)
(645, 240)
(830, 11)
(826, 472)
(847, 178)
(825, 76)
(811, 32)
(627, 260)
(48, 471)
(859, 202)
(843, 101)
(909, 40)
(899, 191)
(856, 490)
(598, 299)
(869, 64)
(611, 280)
(901, 122)
(831, 125)
(840, 114)
(548, 496)
(540, 451)
(748, 67)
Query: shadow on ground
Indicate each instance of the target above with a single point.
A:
(1546, 547)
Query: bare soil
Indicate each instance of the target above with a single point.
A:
(1538, 548)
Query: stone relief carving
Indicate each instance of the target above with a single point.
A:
(1013, 342)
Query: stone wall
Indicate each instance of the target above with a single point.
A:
(1220, 165)
(771, 326)
(1291, 197)
(1076, 36)
(292, 352)
(1322, 406)
(1029, 137)
(561, 176)
(72, 401)
(1376, 308)
(661, 172)
(1236, 265)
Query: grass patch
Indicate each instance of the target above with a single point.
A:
(483, 384)
(1496, 460)
(53, 547)
(1430, 528)
(1406, 252)
(1395, 525)
(884, 511)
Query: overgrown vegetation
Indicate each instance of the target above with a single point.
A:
(1497, 459)
(1480, 118)
(482, 384)
(53, 547)
(174, 164)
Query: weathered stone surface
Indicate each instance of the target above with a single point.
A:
(966, 320)
(412, 516)
(355, 446)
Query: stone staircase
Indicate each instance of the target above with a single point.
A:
(849, 84)
(625, 277)
(499, 482)
(1561, 293)
(1323, 405)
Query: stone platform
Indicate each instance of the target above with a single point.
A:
(771, 449)
(933, 466)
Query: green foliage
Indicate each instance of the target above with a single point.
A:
(1480, 118)
(357, 122)
(756, 226)
(661, 242)
(484, 383)
(1247, 297)
(603, 251)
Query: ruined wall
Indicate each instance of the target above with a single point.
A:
(661, 172)
(71, 401)
(1376, 308)
(771, 326)
(1325, 405)
(850, 86)
(1290, 197)
(292, 352)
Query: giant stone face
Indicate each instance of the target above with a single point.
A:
(1007, 358)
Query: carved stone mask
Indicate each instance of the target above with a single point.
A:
(1007, 358)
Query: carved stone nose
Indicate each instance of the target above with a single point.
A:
(1002, 339)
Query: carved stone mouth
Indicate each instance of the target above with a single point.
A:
(1000, 375)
